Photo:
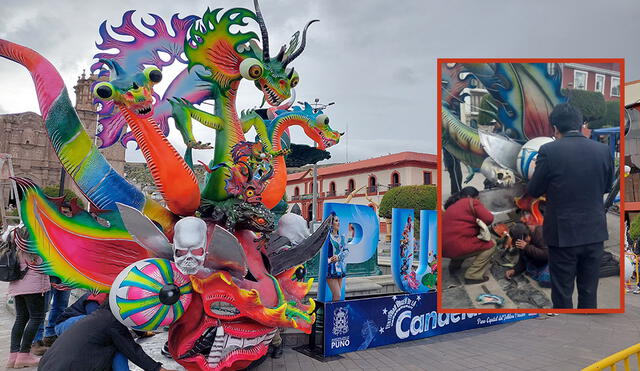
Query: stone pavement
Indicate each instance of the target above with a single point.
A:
(564, 342)
(522, 291)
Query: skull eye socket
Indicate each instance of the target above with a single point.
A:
(198, 251)
(103, 90)
(251, 69)
(181, 252)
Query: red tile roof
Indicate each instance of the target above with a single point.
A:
(394, 160)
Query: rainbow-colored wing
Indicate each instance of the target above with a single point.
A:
(78, 250)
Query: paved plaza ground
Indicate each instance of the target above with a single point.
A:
(564, 342)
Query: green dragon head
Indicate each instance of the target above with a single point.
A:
(131, 90)
(230, 57)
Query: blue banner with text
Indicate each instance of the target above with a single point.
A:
(366, 323)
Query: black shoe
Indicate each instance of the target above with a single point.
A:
(165, 350)
(277, 351)
(474, 282)
(49, 340)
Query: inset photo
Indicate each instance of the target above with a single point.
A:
(530, 159)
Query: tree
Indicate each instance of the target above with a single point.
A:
(590, 103)
(302, 154)
(611, 117)
(488, 110)
(417, 197)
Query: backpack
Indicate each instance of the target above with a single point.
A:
(609, 266)
(9, 263)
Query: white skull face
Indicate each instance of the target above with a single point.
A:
(189, 244)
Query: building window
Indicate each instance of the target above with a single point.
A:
(395, 180)
(551, 69)
(351, 186)
(599, 83)
(580, 79)
(373, 184)
(332, 189)
(615, 86)
(296, 192)
(426, 178)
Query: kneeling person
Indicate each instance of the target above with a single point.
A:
(91, 344)
(533, 253)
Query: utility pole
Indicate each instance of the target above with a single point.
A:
(314, 190)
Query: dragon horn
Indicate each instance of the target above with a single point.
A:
(280, 55)
(295, 54)
(114, 67)
(263, 31)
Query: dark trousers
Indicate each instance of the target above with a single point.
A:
(580, 264)
(30, 311)
(56, 302)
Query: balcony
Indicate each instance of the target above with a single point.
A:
(372, 189)
(394, 185)
(331, 194)
(295, 198)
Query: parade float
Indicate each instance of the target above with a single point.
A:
(205, 261)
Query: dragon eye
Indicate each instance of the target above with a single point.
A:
(250, 193)
(322, 119)
(153, 74)
(261, 221)
(251, 69)
(103, 90)
(295, 79)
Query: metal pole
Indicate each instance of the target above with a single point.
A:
(63, 173)
(314, 206)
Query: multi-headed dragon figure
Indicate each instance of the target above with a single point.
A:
(197, 264)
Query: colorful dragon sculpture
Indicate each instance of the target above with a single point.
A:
(522, 97)
(215, 244)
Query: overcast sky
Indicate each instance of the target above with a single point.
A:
(376, 59)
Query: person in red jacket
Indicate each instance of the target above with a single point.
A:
(460, 231)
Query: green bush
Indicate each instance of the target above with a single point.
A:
(634, 228)
(54, 191)
(417, 197)
(590, 103)
(611, 117)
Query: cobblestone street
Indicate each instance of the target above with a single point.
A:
(564, 342)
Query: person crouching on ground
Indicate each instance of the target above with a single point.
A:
(533, 254)
(460, 234)
(91, 344)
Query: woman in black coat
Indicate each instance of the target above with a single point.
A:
(91, 343)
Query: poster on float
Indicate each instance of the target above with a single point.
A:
(353, 238)
(367, 323)
(405, 243)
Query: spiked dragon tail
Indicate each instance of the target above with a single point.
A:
(95, 177)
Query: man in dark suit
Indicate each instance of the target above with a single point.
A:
(575, 173)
